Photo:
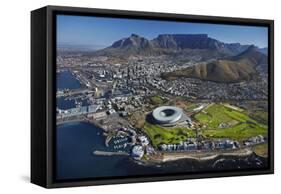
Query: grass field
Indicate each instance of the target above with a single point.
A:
(160, 135)
(239, 125)
(190, 106)
(157, 100)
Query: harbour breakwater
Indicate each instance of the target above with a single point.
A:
(106, 153)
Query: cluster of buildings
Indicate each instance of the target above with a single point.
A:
(217, 144)
(77, 111)
(254, 89)
(138, 151)
(139, 143)
(255, 140)
(126, 104)
(99, 108)
(181, 87)
(140, 74)
(195, 88)
(141, 147)
(192, 145)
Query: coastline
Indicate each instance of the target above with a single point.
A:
(163, 157)
(203, 156)
(197, 156)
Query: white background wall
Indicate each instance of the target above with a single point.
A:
(15, 94)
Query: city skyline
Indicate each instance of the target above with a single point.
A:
(101, 32)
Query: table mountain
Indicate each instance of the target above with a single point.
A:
(136, 45)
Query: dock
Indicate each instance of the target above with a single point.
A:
(105, 153)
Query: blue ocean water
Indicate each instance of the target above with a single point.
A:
(65, 80)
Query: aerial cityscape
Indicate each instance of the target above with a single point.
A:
(159, 98)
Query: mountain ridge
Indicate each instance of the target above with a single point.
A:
(170, 43)
(235, 69)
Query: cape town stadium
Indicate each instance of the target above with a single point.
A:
(167, 114)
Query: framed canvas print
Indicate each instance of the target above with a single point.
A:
(125, 96)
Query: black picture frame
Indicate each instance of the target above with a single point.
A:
(43, 95)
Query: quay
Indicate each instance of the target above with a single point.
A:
(105, 153)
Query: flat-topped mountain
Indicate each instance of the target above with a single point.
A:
(187, 41)
(196, 41)
(170, 44)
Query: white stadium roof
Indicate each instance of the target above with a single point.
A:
(167, 114)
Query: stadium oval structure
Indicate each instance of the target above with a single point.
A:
(167, 114)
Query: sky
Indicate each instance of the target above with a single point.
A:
(101, 32)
